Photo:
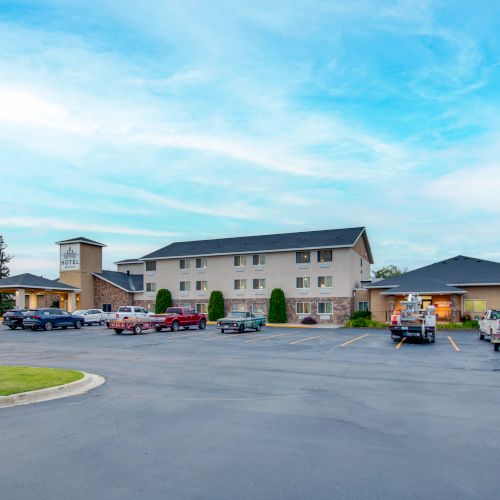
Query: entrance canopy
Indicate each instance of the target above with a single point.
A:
(27, 287)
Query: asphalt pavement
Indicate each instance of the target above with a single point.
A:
(281, 414)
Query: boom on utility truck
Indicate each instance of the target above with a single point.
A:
(413, 321)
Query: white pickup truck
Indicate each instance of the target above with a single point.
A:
(125, 312)
(489, 327)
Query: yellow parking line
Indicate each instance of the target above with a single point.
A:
(400, 343)
(354, 340)
(305, 340)
(453, 344)
(270, 337)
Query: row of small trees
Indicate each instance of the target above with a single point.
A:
(277, 305)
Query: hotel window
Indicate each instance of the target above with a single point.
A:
(258, 308)
(150, 287)
(151, 265)
(202, 308)
(185, 286)
(475, 305)
(363, 305)
(324, 256)
(303, 282)
(201, 263)
(302, 257)
(184, 263)
(201, 286)
(325, 308)
(259, 260)
(259, 284)
(303, 307)
(240, 284)
(325, 281)
(106, 308)
(240, 260)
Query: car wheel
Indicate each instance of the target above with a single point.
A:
(23, 327)
(137, 329)
(202, 324)
(241, 328)
(78, 324)
(33, 328)
(481, 336)
(257, 328)
(496, 347)
(12, 327)
(175, 326)
(48, 326)
(432, 338)
(222, 330)
(102, 322)
(396, 339)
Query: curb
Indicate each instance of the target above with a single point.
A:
(289, 325)
(88, 382)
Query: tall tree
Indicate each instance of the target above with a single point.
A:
(163, 300)
(277, 307)
(389, 271)
(6, 301)
(4, 259)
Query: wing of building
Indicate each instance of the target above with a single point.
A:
(458, 287)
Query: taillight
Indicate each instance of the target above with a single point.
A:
(394, 320)
(37, 317)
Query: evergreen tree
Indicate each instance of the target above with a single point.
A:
(277, 307)
(163, 300)
(216, 306)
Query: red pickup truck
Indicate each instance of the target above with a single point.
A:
(175, 317)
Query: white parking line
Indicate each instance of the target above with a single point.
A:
(308, 338)
(269, 337)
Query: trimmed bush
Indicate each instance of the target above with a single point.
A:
(364, 323)
(277, 307)
(163, 300)
(361, 314)
(216, 306)
(466, 325)
(308, 320)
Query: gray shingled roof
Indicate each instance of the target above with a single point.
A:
(329, 238)
(128, 261)
(28, 280)
(81, 239)
(444, 276)
(127, 282)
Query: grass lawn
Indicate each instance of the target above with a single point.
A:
(14, 379)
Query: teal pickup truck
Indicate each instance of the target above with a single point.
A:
(239, 321)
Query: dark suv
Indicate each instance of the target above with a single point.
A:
(14, 318)
(47, 319)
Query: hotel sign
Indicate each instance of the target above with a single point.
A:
(70, 257)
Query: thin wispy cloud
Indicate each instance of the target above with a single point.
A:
(144, 123)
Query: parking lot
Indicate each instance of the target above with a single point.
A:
(284, 413)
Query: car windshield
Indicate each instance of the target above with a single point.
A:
(237, 314)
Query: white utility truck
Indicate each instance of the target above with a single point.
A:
(489, 327)
(413, 321)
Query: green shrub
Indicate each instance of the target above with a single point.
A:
(466, 325)
(361, 314)
(163, 300)
(277, 307)
(216, 306)
(364, 323)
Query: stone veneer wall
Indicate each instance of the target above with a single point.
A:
(342, 308)
(105, 293)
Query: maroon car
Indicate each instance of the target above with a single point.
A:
(176, 317)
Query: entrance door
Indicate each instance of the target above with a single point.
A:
(426, 303)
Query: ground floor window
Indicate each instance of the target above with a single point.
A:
(239, 306)
(303, 307)
(259, 308)
(325, 308)
(202, 308)
(363, 306)
(475, 305)
(106, 308)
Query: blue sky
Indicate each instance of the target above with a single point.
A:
(141, 123)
